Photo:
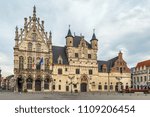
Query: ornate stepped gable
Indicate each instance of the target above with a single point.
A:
(116, 64)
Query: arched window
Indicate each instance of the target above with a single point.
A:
(29, 83)
(100, 87)
(105, 87)
(60, 60)
(21, 62)
(30, 63)
(111, 87)
(30, 46)
(46, 64)
(46, 83)
(38, 47)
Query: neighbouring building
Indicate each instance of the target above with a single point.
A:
(41, 66)
(141, 75)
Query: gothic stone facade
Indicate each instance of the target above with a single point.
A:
(40, 66)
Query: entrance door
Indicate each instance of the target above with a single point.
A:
(83, 87)
(20, 84)
(38, 85)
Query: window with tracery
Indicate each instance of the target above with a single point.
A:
(21, 63)
(30, 63)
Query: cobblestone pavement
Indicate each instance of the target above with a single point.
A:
(72, 96)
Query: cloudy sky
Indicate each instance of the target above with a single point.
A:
(120, 25)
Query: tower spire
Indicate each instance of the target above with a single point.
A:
(69, 33)
(50, 37)
(34, 10)
(34, 13)
(94, 36)
(16, 33)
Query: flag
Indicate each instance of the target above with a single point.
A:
(41, 61)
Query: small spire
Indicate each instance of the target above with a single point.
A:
(120, 54)
(34, 10)
(69, 33)
(16, 28)
(50, 37)
(34, 13)
(16, 33)
(94, 36)
(50, 34)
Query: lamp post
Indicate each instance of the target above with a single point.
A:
(71, 83)
(108, 82)
(51, 79)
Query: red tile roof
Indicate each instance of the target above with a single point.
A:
(143, 63)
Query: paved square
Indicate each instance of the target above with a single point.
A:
(72, 96)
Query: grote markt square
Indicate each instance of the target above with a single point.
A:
(41, 66)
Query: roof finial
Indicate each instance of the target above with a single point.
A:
(94, 36)
(34, 10)
(34, 13)
(94, 30)
(50, 34)
(69, 26)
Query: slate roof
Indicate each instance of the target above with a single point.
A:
(57, 50)
(110, 63)
(76, 42)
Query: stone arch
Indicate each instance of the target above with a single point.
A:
(84, 83)
(38, 83)
(47, 81)
(20, 82)
(29, 82)
(119, 86)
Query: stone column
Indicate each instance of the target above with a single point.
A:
(16, 85)
(24, 84)
(33, 85)
(50, 87)
(42, 85)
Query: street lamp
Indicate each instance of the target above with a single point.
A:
(108, 82)
(71, 83)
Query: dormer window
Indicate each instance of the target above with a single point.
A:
(60, 60)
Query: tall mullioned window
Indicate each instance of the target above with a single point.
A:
(30, 63)
(29, 83)
(21, 63)
(90, 71)
(29, 46)
(46, 84)
(46, 64)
